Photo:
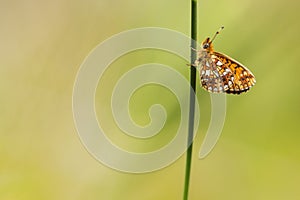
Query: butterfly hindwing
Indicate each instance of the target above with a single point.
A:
(210, 76)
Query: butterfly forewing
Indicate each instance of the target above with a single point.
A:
(238, 78)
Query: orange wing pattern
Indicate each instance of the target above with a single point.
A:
(236, 77)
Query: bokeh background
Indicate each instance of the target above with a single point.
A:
(43, 43)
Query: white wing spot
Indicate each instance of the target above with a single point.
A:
(207, 64)
(216, 73)
(219, 63)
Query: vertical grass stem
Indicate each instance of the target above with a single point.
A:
(192, 99)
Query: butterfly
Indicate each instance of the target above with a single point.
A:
(220, 73)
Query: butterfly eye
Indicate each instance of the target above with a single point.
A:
(205, 46)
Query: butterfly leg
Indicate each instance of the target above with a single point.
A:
(193, 65)
(193, 49)
(196, 63)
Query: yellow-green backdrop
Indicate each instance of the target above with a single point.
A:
(43, 43)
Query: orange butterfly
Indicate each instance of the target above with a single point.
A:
(220, 73)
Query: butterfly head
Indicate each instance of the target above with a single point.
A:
(207, 43)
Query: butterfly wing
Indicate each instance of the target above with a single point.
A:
(211, 78)
(236, 77)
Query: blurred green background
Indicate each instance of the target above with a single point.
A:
(43, 44)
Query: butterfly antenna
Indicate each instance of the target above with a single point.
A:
(218, 32)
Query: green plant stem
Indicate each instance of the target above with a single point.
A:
(192, 99)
